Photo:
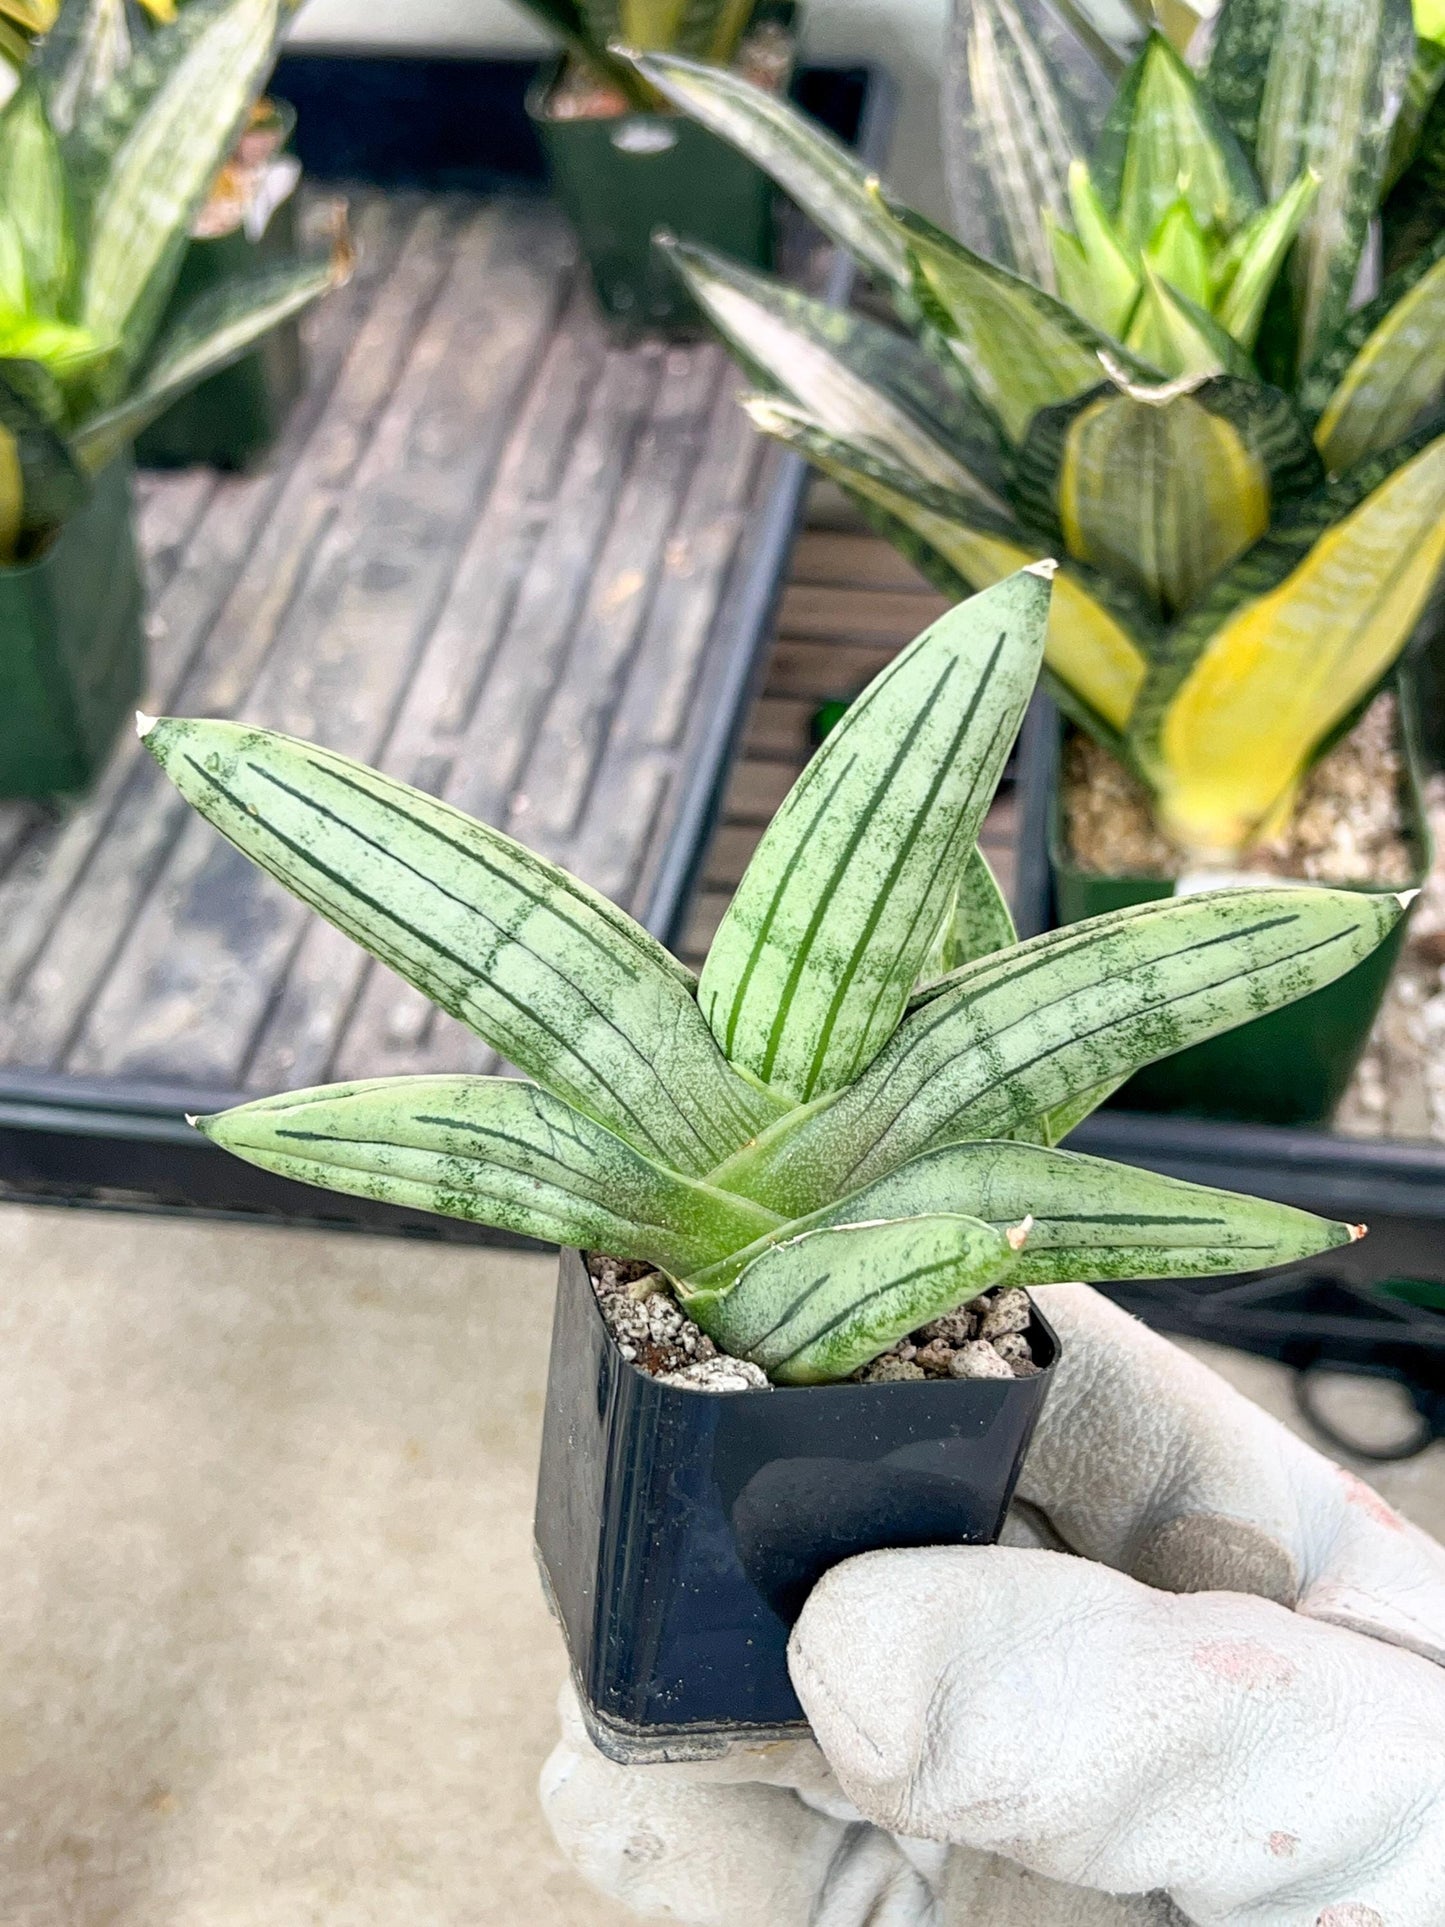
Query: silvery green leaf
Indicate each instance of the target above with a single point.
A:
(828, 183)
(814, 961)
(560, 981)
(491, 1150)
(1093, 1220)
(819, 1306)
(1022, 1032)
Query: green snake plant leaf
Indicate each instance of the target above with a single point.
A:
(216, 330)
(1316, 88)
(548, 972)
(1013, 124)
(1384, 368)
(1244, 272)
(1057, 1122)
(820, 174)
(492, 1150)
(1095, 648)
(1412, 215)
(814, 961)
(978, 922)
(33, 194)
(1022, 1032)
(81, 57)
(584, 32)
(197, 81)
(1020, 348)
(854, 378)
(1175, 334)
(1162, 138)
(1092, 272)
(1286, 644)
(1165, 487)
(707, 29)
(1094, 1219)
(818, 1306)
(39, 482)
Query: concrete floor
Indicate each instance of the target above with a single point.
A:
(275, 1654)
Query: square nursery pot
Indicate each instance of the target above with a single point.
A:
(1290, 1067)
(622, 177)
(235, 415)
(72, 648)
(679, 1532)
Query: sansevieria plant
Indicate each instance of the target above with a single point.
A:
(708, 30)
(107, 152)
(1164, 352)
(845, 1126)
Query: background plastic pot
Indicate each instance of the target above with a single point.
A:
(680, 1532)
(1291, 1067)
(72, 648)
(235, 416)
(621, 178)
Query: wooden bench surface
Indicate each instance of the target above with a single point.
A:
(488, 557)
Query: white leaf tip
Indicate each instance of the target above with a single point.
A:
(144, 724)
(1406, 897)
(1046, 568)
(193, 1118)
(1358, 1231)
(1017, 1235)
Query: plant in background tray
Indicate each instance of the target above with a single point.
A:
(623, 164)
(1163, 347)
(108, 152)
(845, 1127)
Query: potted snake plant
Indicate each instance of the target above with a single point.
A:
(102, 172)
(1150, 349)
(624, 165)
(821, 1175)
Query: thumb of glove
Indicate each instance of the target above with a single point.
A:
(1252, 1763)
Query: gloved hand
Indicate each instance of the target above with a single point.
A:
(1229, 1711)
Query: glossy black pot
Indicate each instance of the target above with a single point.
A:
(679, 1532)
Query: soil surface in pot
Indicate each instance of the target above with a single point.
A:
(986, 1338)
(765, 57)
(1347, 825)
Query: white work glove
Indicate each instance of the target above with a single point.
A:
(1229, 1711)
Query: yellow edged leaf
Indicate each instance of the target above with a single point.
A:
(12, 495)
(1284, 668)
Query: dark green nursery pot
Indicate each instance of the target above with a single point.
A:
(622, 178)
(1290, 1067)
(233, 417)
(72, 648)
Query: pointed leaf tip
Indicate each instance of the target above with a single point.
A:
(1358, 1231)
(193, 1118)
(1046, 567)
(1406, 897)
(144, 724)
(1017, 1235)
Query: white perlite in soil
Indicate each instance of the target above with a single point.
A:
(985, 1339)
(1346, 827)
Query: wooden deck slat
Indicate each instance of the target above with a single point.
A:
(202, 960)
(68, 900)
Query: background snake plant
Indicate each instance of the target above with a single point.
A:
(108, 150)
(1162, 346)
(706, 30)
(846, 1125)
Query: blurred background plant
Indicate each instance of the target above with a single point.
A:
(707, 30)
(109, 151)
(1193, 334)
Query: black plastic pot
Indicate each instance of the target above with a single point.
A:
(72, 648)
(1290, 1067)
(680, 1532)
(622, 178)
(235, 415)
